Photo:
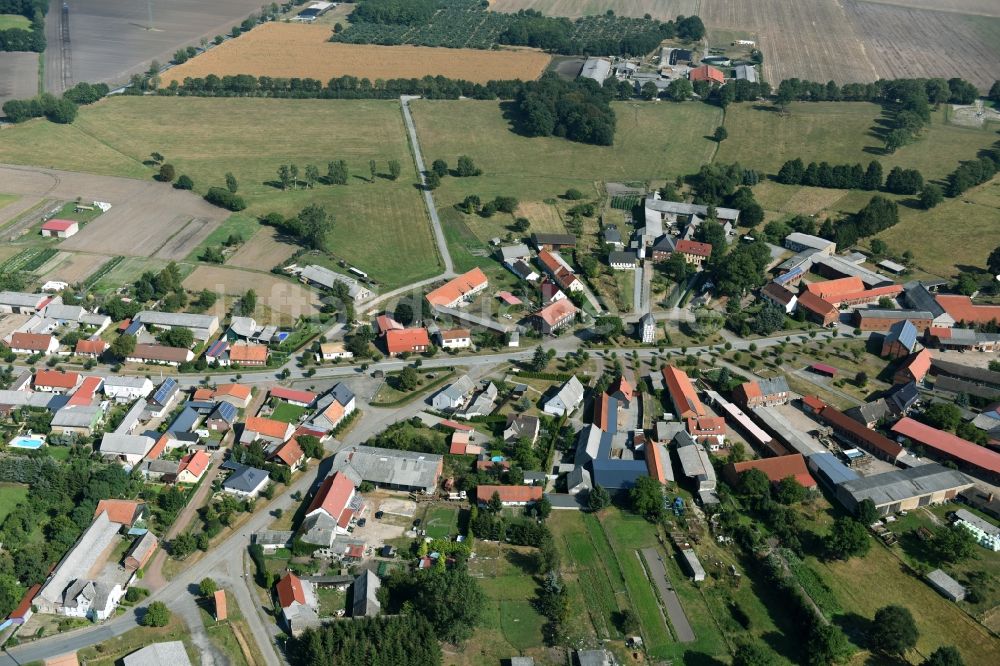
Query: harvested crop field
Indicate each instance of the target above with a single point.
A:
(295, 50)
(18, 75)
(281, 296)
(265, 249)
(72, 267)
(658, 9)
(146, 218)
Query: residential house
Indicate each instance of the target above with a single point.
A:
(202, 326)
(785, 299)
(333, 351)
(613, 237)
(407, 341)
(222, 418)
(123, 388)
(55, 381)
(193, 466)
(77, 419)
(914, 368)
(248, 354)
(247, 328)
(550, 292)
(245, 482)
(455, 338)
(238, 395)
(265, 429)
(459, 290)
(298, 603)
(708, 430)
(663, 248)
(163, 398)
(567, 398)
(509, 495)
(521, 426)
(523, 270)
(385, 323)
(454, 395)
(333, 408)
(33, 343)
(60, 228)
(90, 348)
(762, 392)
(289, 454)
(556, 315)
(694, 252)
(331, 510)
(160, 355)
(559, 270)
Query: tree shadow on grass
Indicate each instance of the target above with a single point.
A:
(855, 627)
(522, 561)
(692, 658)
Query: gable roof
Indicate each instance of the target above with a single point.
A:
(238, 391)
(59, 225)
(949, 444)
(903, 332)
(778, 468)
(694, 247)
(161, 353)
(918, 364)
(123, 512)
(290, 590)
(248, 353)
(289, 453)
(814, 303)
(706, 73)
(90, 346)
(32, 341)
(268, 427)
(835, 289)
(333, 496)
(509, 493)
(556, 311)
(622, 386)
(404, 340)
(682, 393)
(56, 379)
(458, 287)
(196, 463)
(778, 293)
(961, 308)
(282, 393)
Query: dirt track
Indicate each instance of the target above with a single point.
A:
(146, 219)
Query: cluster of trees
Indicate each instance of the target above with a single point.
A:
(395, 12)
(407, 436)
(490, 524)
(905, 92)
(60, 110)
(560, 35)
(60, 504)
(400, 640)
(839, 176)
(577, 110)
(741, 269)
(466, 168)
(19, 39)
(714, 184)
(970, 173)
(309, 228)
(449, 599)
(878, 215)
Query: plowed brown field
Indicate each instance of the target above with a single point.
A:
(293, 50)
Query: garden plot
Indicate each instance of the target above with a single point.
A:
(72, 267)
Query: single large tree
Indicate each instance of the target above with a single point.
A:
(893, 631)
(946, 655)
(647, 497)
(231, 183)
(157, 615)
(848, 538)
(598, 498)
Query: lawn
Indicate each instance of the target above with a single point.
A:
(441, 522)
(430, 378)
(288, 412)
(236, 224)
(111, 651)
(14, 21)
(11, 494)
(652, 142)
(205, 138)
(841, 132)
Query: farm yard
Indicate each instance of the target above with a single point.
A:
(298, 50)
(111, 40)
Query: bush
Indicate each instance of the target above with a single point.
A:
(184, 182)
(223, 198)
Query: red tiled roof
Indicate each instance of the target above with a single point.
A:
(355, 550)
(119, 511)
(90, 347)
(289, 453)
(31, 341)
(158, 448)
(203, 394)
(694, 247)
(489, 464)
(509, 493)
(601, 411)
(59, 225)
(456, 334)
(832, 289)
(84, 395)
(56, 379)
(814, 303)
(239, 391)
(25, 605)
(246, 353)
(386, 323)
(778, 468)
(267, 427)
(405, 340)
(333, 496)
(196, 463)
(706, 73)
(293, 395)
(813, 402)
(454, 289)
(918, 364)
(949, 444)
(621, 385)
(508, 298)
(654, 462)
(707, 425)
(961, 308)
(553, 313)
(682, 393)
(290, 590)
(748, 390)
(840, 421)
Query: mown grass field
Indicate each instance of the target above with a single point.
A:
(841, 132)
(205, 138)
(441, 522)
(10, 495)
(14, 21)
(652, 142)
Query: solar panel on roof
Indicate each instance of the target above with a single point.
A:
(166, 388)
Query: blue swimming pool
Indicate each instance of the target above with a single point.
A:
(27, 442)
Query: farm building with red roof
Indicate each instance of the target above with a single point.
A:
(60, 228)
(944, 444)
(776, 469)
